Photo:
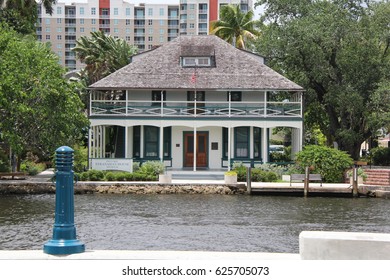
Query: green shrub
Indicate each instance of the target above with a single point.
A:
(380, 156)
(80, 158)
(328, 162)
(32, 168)
(152, 168)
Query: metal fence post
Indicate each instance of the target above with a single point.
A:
(64, 240)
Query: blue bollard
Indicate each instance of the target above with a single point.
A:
(64, 240)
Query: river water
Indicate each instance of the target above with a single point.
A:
(189, 222)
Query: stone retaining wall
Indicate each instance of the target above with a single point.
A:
(121, 188)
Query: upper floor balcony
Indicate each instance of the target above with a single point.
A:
(195, 109)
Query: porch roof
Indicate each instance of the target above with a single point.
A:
(161, 69)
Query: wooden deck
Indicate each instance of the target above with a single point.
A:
(296, 189)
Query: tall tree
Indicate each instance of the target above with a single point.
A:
(22, 15)
(339, 51)
(39, 109)
(102, 54)
(235, 26)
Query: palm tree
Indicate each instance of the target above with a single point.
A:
(234, 26)
(102, 54)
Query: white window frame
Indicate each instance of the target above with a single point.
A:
(203, 61)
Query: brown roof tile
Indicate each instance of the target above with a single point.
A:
(161, 69)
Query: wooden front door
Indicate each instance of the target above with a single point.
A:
(201, 149)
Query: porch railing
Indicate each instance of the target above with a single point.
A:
(189, 109)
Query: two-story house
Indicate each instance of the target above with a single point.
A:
(196, 102)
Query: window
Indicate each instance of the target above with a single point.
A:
(93, 21)
(150, 22)
(192, 6)
(235, 96)
(162, 23)
(151, 138)
(47, 21)
(167, 142)
(137, 141)
(150, 12)
(156, 97)
(196, 61)
(59, 10)
(161, 11)
(128, 30)
(116, 12)
(225, 142)
(116, 21)
(81, 21)
(150, 38)
(93, 11)
(116, 30)
(59, 20)
(241, 142)
(128, 38)
(47, 37)
(59, 29)
(47, 29)
(82, 29)
(81, 10)
(59, 46)
(59, 37)
(192, 25)
(257, 143)
(161, 31)
(128, 11)
(128, 21)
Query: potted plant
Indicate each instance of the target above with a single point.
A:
(230, 177)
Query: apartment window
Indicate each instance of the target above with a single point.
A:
(93, 21)
(161, 39)
(59, 37)
(225, 142)
(93, 11)
(241, 135)
(59, 29)
(161, 11)
(167, 142)
(150, 38)
(150, 11)
(116, 21)
(59, 20)
(128, 31)
(59, 10)
(192, 25)
(93, 29)
(59, 46)
(128, 38)
(81, 21)
(150, 22)
(47, 21)
(151, 30)
(128, 21)
(116, 30)
(81, 10)
(47, 37)
(137, 141)
(128, 11)
(116, 12)
(82, 29)
(162, 22)
(59, 54)
(151, 144)
(192, 6)
(161, 31)
(150, 47)
(47, 29)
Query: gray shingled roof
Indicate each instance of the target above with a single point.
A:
(161, 69)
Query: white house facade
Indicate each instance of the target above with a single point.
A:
(195, 102)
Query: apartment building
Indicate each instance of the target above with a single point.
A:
(143, 25)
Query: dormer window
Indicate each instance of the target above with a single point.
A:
(196, 61)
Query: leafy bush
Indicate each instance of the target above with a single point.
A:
(380, 156)
(91, 175)
(152, 168)
(257, 174)
(32, 168)
(4, 163)
(328, 162)
(80, 158)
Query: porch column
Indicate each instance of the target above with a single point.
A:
(161, 154)
(141, 146)
(264, 144)
(296, 141)
(195, 144)
(90, 147)
(229, 147)
(126, 139)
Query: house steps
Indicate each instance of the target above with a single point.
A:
(379, 177)
(197, 175)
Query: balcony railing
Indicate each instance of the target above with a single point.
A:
(189, 109)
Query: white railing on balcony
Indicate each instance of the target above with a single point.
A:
(201, 109)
